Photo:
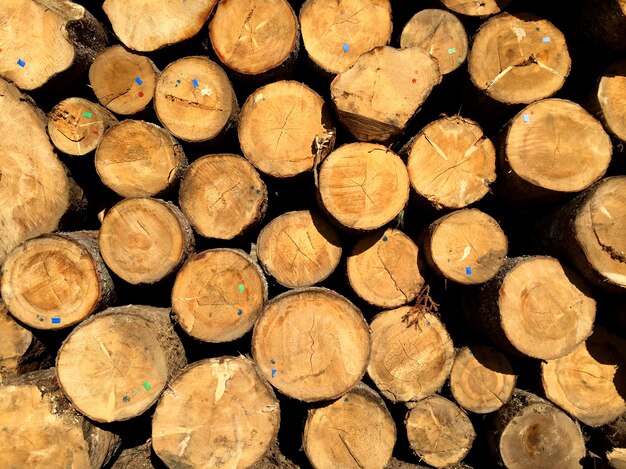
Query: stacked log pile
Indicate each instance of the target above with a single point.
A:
(320, 233)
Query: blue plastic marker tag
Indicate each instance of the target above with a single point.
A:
(139, 81)
(56, 320)
(526, 118)
(195, 83)
(273, 373)
(546, 39)
(21, 63)
(468, 270)
(346, 47)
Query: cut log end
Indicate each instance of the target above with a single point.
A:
(480, 8)
(611, 97)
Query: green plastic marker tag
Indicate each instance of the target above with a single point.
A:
(147, 386)
(241, 288)
(87, 114)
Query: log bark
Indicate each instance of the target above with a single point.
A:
(194, 99)
(299, 249)
(535, 307)
(137, 457)
(76, 126)
(441, 34)
(355, 431)
(139, 159)
(529, 432)
(55, 281)
(382, 90)
(363, 186)
(439, 431)
(145, 26)
(144, 240)
(311, 344)
(451, 163)
(45, 38)
(605, 23)
(285, 129)
(383, 269)
(336, 32)
(218, 295)
(123, 82)
(518, 58)
(551, 148)
(115, 365)
(481, 379)
(409, 362)
(42, 429)
(255, 37)
(473, 8)
(219, 412)
(222, 196)
(466, 246)
(609, 102)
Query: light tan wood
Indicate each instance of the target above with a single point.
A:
(144, 25)
(144, 240)
(466, 246)
(194, 99)
(254, 36)
(382, 269)
(518, 58)
(617, 458)
(439, 431)
(451, 163)
(441, 34)
(56, 281)
(139, 159)
(311, 344)
(115, 365)
(43, 38)
(40, 428)
(589, 381)
(285, 128)
(76, 126)
(218, 413)
(481, 379)
(222, 196)
(363, 186)
(409, 362)
(480, 8)
(552, 147)
(355, 431)
(218, 295)
(382, 90)
(613, 439)
(122, 81)
(299, 249)
(529, 432)
(611, 99)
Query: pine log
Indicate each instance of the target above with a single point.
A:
(76, 126)
(222, 196)
(382, 90)
(481, 379)
(114, 365)
(299, 249)
(136, 457)
(383, 270)
(20, 351)
(363, 186)
(439, 431)
(144, 240)
(312, 344)
(55, 281)
(218, 295)
(35, 189)
(480, 8)
(44, 38)
(355, 431)
(139, 159)
(441, 34)
(194, 99)
(218, 413)
(589, 233)
(551, 147)
(605, 23)
(40, 428)
(529, 432)
(518, 58)
(451, 163)
(145, 25)
(285, 128)
(122, 81)
(336, 32)
(254, 37)
(534, 306)
(409, 362)
(614, 439)
(590, 381)
(609, 102)
(466, 246)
